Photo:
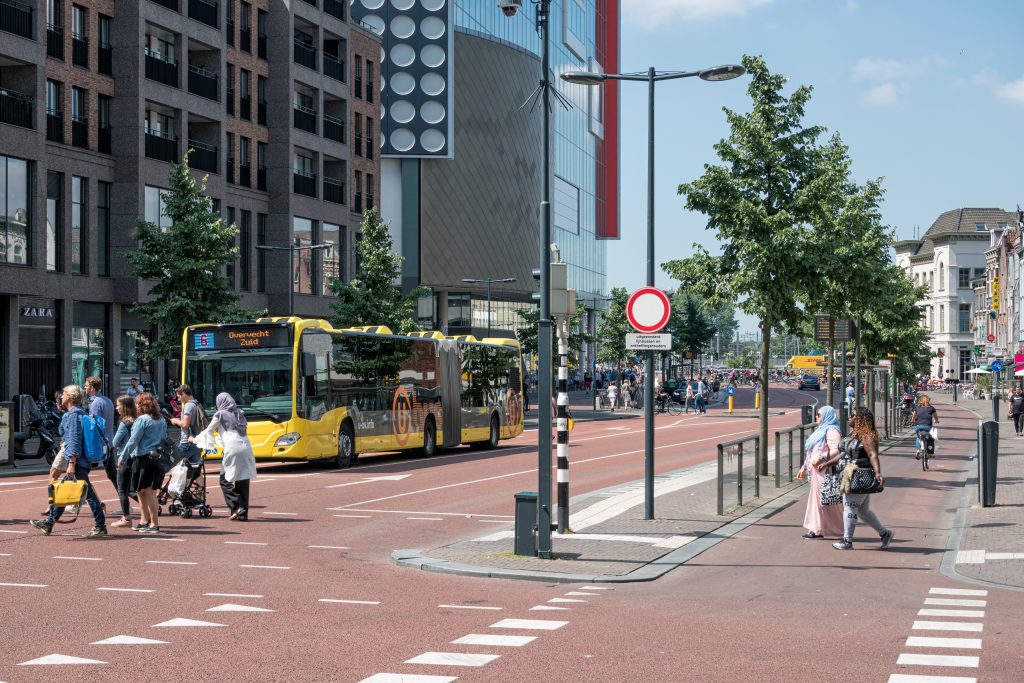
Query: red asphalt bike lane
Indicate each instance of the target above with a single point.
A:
(310, 555)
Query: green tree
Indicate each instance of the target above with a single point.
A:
(373, 297)
(578, 335)
(185, 261)
(613, 328)
(759, 202)
(892, 325)
(723, 317)
(691, 325)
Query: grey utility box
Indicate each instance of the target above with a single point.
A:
(526, 522)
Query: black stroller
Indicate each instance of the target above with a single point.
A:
(186, 491)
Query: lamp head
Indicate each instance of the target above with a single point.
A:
(725, 72)
(510, 7)
(583, 77)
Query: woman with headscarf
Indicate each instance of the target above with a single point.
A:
(238, 465)
(822, 451)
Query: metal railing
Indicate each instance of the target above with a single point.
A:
(334, 191)
(786, 464)
(80, 51)
(245, 39)
(203, 157)
(335, 8)
(305, 118)
(245, 175)
(202, 82)
(16, 108)
(55, 126)
(161, 69)
(205, 11)
(80, 132)
(16, 17)
(261, 112)
(245, 108)
(305, 54)
(103, 139)
(161, 146)
(732, 471)
(334, 129)
(169, 4)
(334, 67)
(261, 45)
(105, 59)
(304, 183)
(55, 41)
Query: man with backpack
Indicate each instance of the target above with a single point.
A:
(101, 406)
(192, 421)
(73, 434)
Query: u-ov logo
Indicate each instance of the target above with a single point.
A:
(401, 416)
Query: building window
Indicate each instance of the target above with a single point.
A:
(369, 81)
(979, 273)
(942, 277)
(14, 211)
(304, 163)
(369, 191)
(369, 137)
(244, 248)
(574, 27)
(357, 139)
(261, 255)
(79, 230)
(963, 277)
(134, 344)
(964, 324)
(980, 227)
(567, 206)
(302, 261)
(357, 205)
(156, 208)
(942, 318)
(88, 340)
(357, 76)
(103, 228)
(930, 318)
(54, 220)
(332, 258)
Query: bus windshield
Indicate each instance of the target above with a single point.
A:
(260, 380)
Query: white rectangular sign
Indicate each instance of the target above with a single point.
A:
(649, 342)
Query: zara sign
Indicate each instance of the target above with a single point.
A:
(36, 312)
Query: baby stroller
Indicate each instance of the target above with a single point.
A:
(186, 489)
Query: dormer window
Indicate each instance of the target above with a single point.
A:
(980, 227)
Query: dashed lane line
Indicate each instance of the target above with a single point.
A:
(596, 588)
(349, 602)
(74, 557)
(547, 608)
(948, 626)
(590, 595)
(952, 643)
(24, 585)
(494, 640)
(163, 538)
(565, 600)
(231, 607)
(355, 516)
(452, 659)
(408, 678)
(129, 640)
(946, 602)
(330, 547)
(957, 591)
(263, 566)
(181, 622)
(232, 595)
(530, 624)
(427, 519)
(913, 678)
(345, 508)
(126, 590)
(966, 613)
(59, 659)
(243, 543)
(939, 660)
(170, 562)
(483, 607)
(5, 554)
(11, 531)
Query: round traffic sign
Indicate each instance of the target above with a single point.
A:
(997, 366)
(991, 337)
(648, 309)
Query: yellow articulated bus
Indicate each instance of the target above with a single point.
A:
(312, 392)
(807, 365)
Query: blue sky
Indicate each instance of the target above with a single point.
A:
(928, 95)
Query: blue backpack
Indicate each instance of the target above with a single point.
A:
(95, 439)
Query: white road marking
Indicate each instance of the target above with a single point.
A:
(957, 591)
(582, 593)
(330, 547)
(452, 659)
(408, 678)
(530, 624)
(565, 600)
(169, 562)
(73, 557)
(947, 626)
(468, 607)
(970, 557)
(60, 659)
(547, 608)
(282, 514)
(22, 483)
(163, 538)
(5, 531)
(966, 613)
(5, 554)
(952, 602)
(345, 508)
(232, 595)
(243, 543)
(1004, 556)
(262, 566)
(127, 590)
(355, 516)
(180, 621)
(495, 521)
(129, 640)
(24, 585)
(370, 480)
(494, 640)
(957, 643)
(350, 602)
(596, 588)
(938, 660)
(913, 678)
(427, 519)
(238, 608)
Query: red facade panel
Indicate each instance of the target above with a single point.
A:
(607, 152)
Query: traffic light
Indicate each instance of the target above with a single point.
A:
(563, 300)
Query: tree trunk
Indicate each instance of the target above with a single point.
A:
(766, 332)
(831, 360)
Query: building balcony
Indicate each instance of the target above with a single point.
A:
(55, 126)
(305, 183)
(334, 67)
(205, 12)
(16, 108)
(335, 8)
(261, 179)
(245, 175)
(169, 4)
(160, 69)
(261, 113)
(54, 41)
(80, 51)
(261, 45)
(202, 82)
(17, 18)
(305, 119)
(203, 157)
(245, 108)
(334, 191)
(80, 132)
(161, 146)
(305, 54)
(334, 129)
(103, 139)
(245, 39)
(105, 59)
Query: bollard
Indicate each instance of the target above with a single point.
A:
(526, 522)
(844, 408)
(987, 463)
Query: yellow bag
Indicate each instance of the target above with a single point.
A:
(68, 493)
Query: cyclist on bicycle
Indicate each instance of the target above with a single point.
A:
(925, 417)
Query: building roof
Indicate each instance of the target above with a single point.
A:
(957, 222)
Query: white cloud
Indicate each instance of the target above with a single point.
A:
(886, 94)
(852, 7)
(985, 78)
(655, 13)
(1011, 91)
(867, 69)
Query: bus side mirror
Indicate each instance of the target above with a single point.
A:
(308, 364)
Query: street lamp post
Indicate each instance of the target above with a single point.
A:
(291, 265)
(717, 73)
(488, 281)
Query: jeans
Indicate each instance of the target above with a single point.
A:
(699, 404)
(94, 502)
(191, 452)
(1018, 422)
(922, 432)
(858, 506)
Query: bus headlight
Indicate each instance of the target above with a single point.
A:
(288, 439)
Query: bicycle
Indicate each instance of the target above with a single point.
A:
(923, 440)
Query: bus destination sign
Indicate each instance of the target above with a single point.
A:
(227, 338)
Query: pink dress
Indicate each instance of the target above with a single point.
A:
(824, 520)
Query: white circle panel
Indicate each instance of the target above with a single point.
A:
(432, 56)
(432, 5)
(402, 26)
(375, 23)
(403, 83)
(432, 83)
(403, 111)
(402, 55)
(372, 4)
(432, 27)
(402, 139)
(432, 140)
(432, 112)
(402, 4)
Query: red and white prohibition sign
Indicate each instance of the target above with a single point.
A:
(648, 310)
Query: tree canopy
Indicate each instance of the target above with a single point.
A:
(612, 330)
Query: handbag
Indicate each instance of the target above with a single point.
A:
(863, 480)
(68, 492)
(164, 455)
(830, 484)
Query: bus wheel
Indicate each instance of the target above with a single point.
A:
(346, 446)
(429, 438)
(492, 441)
